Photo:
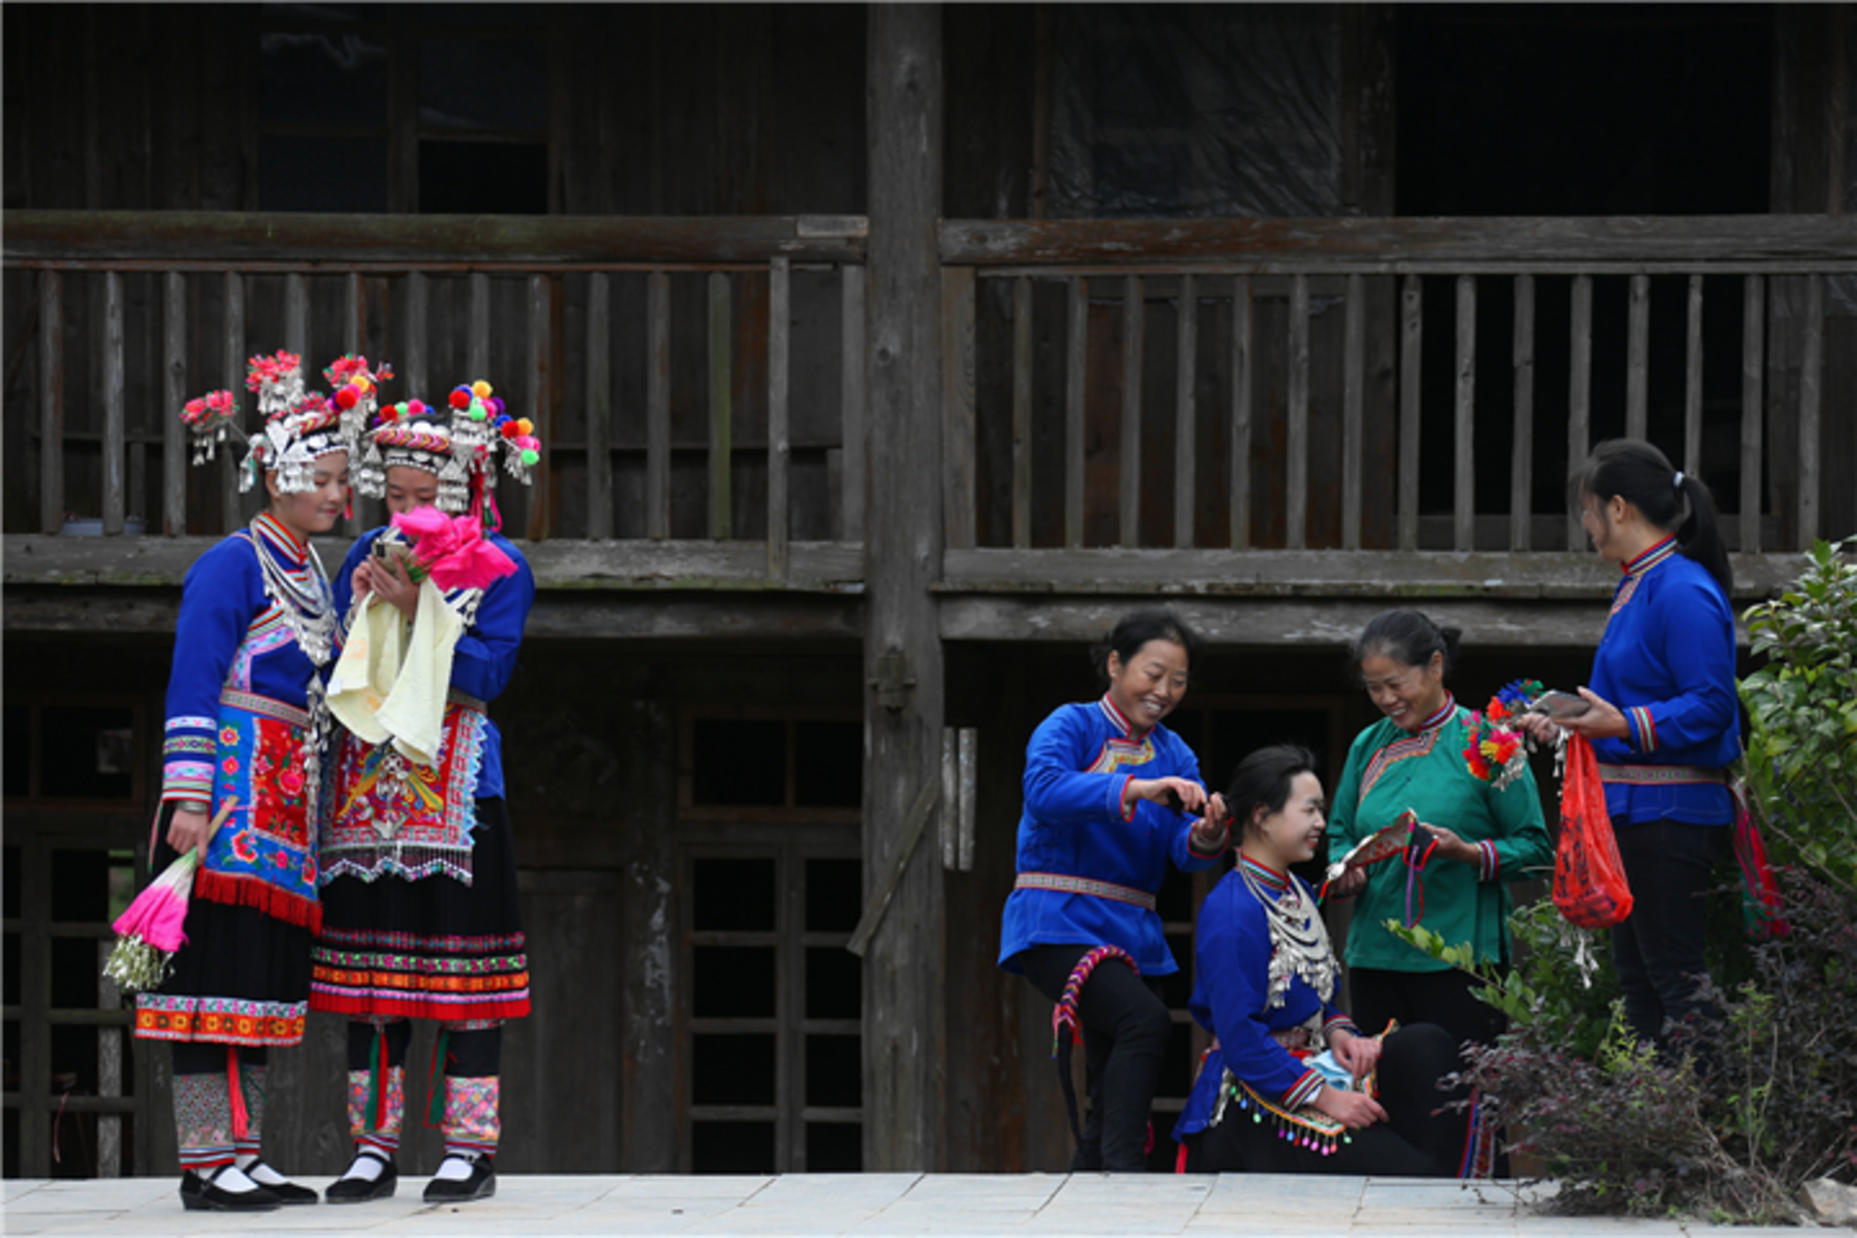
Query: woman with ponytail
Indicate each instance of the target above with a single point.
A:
(1662, 717)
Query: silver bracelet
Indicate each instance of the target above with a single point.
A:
(199, 806)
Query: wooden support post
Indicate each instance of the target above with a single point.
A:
(1411, 340)
(1353, 395)
(477, 338)
(1240, 464)
(1753, 367)
(1186, 361)
(721, 405)
(1579, 393)
(1130, 463)
(541, 371)
(1638, 358)
(1076, 357)
(1522, 450)
(852, 402)
(1296, 467)
(779, 361)
(354, 314)
(959, 460)
(905, 1033)
(599, 405)
(1464, 483)
(115, 398)
(51, 401)
(418, 310)
(297, 320)
(1022, 411)
(174, 394)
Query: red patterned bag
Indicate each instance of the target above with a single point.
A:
(1589, 877)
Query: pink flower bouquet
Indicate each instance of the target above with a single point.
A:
(150, 930)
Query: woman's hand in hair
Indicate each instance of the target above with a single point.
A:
(1602, 721)
(1180, 794)
(1213, 831)
(1353, 1110)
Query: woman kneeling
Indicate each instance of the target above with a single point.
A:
(1290, 1084)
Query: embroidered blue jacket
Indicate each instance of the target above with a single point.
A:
(1076, 765)
(1231, 952)
(1667, 660)
(223, 599)
(486, 654)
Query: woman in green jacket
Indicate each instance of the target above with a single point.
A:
(1471, 842)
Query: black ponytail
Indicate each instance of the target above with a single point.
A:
(1674, 502)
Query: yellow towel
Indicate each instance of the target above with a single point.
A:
(391, 681)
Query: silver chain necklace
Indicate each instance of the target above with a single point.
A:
(1298, 940)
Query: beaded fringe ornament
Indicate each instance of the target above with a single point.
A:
(1308, 1128)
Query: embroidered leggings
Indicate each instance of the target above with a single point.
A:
(206, 1122)
(471, 1091)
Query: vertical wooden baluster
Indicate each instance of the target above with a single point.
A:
(1186, 431)
(1411, 338)
(233, 457)
(114, 397)
(1638, 358)
(1076, 358)
(174, 391)
(600, 405)
(1239, 467)
(1132, 325)
(477, 336)
(1692, 381)
(541, 368)
(1753, 364)
(658, 406)
(1353, 398)
(1021, 411)
(1579, 393)
(851, 400)
(1811, 378)
(1296, 463)
(1464, 481)
(297, 320)
(779, 334)
(354, 310)
(51, 401)
(1522, 451)
(958, 408)
(721, 404)
(418, 303)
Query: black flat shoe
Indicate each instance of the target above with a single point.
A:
(287, 1192)
(200, 1195)
(361, 1190)
(480, 1185)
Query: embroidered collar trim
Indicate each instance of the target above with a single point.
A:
(1651, 557)
(1265, 875)
(286, 542)
(1116, 718)
(1445, 712)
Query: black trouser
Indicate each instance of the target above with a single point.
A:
(468, 1054)
(1420, 1138)
(1658, 948)
(1440, 997)
(1125, 1031)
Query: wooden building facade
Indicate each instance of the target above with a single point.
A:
(881, 356)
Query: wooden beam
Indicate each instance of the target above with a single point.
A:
(1579, 393)
(1239, 466)
(1464, 481)
(852, 402)
(658, 405)
(1411, 354)
(1753, 369)
(721, 356)
(114, 403)
(779, 361)
(1022, 412)
(542, 334)
(1186, 428)
(1811, 383)
(233, 358)
(1296, 449)
(599, 405)
(905, 1032)
(1638, 357)
(1353, 397)
(1129, 495)
(418, 310)
(1076, 360)
(477, 334)
(959, 461)
(174, 392)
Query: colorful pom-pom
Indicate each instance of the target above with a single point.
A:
(461, 397)
(530, 456)
(509, 429)
(481, 389)
(496, 405)
(528, 427)
(419, 407)
(348, 397)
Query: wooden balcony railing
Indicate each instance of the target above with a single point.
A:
(699, 381)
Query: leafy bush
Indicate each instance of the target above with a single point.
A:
(1802, 751)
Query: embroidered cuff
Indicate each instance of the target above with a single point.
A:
(1643, 727)
(187, 780)
(1491, 863)
(1303, 1090)
(1124, 804)
(1340, 1022)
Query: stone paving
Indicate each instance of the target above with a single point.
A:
(1250, 1206)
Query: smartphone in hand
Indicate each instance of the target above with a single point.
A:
(1559, 705)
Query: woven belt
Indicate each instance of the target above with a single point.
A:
(252, 703)
(1063, 883)
(1662, 775)
(465, 699)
